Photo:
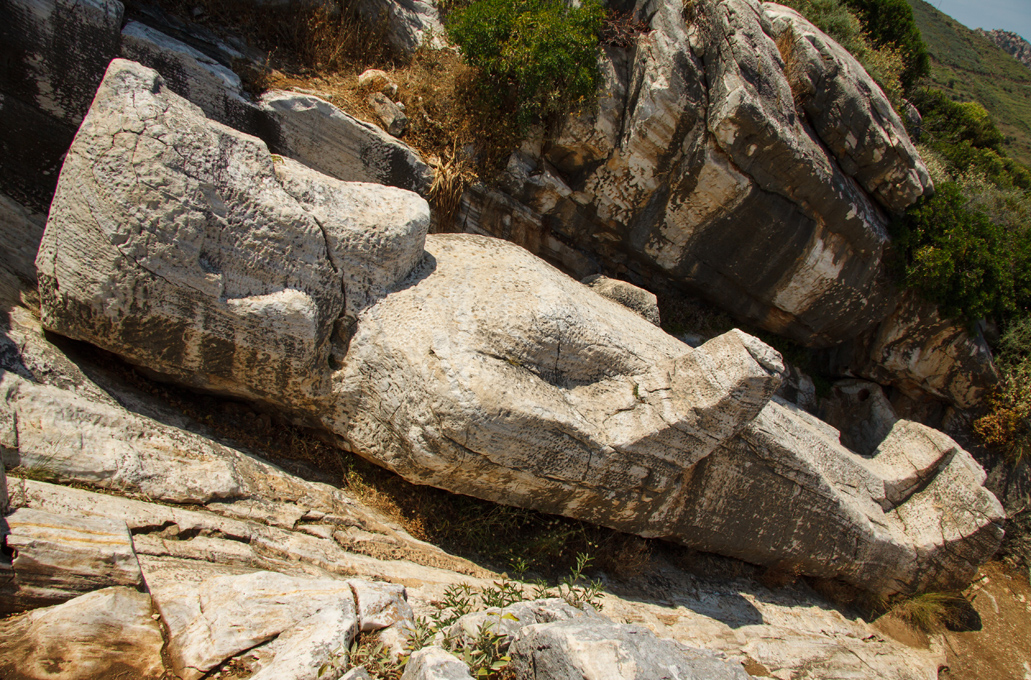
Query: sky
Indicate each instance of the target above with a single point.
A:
(1009, 15)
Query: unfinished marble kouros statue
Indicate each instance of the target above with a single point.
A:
(467, 363)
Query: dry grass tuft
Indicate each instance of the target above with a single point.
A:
(929, 612)
(794, 69)
(450, 179)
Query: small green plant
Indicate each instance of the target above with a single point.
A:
(375, 657)
(502, 594)
(486, 654)
(537, 56)
(576, 590)
(458, 601)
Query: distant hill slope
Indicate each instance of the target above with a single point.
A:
(968, 66)
(1011, 43)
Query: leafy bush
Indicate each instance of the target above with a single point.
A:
(956, 256)
(955, 122)
(890, 24)
(539, 56)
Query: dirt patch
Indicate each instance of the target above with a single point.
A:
(1001, 650)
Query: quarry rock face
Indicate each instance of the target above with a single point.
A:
(469, 364)
(58, 558)
(850, 113)
(921, 352)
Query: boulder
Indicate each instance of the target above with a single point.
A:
(223, 616)
(375, 80)
(594, 647)
(849, 112)
(381, 605)
(389, 113)
(323, 137)
(628, 295)
(508, 621)
(358, 673)
(108, 633)
(249, 316)
(304, 651)
(435, 663)
(56, 558)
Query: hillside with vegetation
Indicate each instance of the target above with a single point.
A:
(969, 67)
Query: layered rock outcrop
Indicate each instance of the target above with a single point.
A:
(472, 365)
(1012, 43)
(697, 168)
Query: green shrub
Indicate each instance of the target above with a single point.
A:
(954, 122)
(964, 134)
(956, 256)
(890, 23)
(538, 56)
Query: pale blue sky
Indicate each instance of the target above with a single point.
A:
(1009, 15)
